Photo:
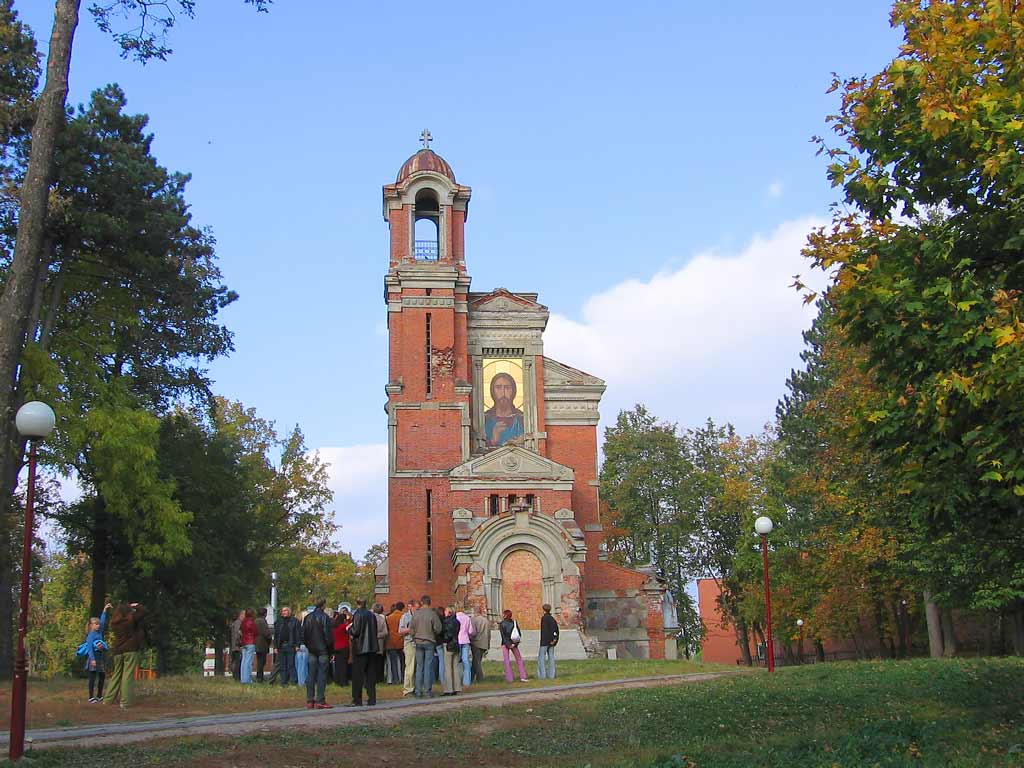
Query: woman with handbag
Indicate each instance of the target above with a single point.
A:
(511, 636)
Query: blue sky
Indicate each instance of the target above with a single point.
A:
(646, 168)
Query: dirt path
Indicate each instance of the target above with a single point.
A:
(383, 713)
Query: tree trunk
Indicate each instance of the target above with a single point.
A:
(23, 273)
(934, 619)
(1016, 623)
(901, 629)
(100, 556)
(948, 634)
(819, 649)
(880, 629)
(743, 641)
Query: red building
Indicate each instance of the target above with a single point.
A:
(492, 477)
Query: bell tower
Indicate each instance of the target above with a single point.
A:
(426, 291)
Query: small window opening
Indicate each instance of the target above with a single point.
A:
(494, 505)
(512, 498)
(427, 218)
(529, 500)
(430, 558)
(429, 374)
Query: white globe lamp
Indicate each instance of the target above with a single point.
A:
(35, 420)
(763, 525)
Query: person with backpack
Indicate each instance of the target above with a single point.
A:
(511, 636)
(548, 641)
(94, 650)
(319, 642)
(128, 625)
(452, 683)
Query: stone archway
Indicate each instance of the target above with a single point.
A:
(556, 552)
(522, 587)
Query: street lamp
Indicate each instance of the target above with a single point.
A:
(34, 421)
(763, 526)
(800, 625)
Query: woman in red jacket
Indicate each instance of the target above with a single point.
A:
(340, 625)
(248, 643)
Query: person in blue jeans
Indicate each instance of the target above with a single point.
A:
(319, 641)
(548, 641)
(95, 656)
(425, 627)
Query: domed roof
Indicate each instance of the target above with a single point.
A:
(425, 160)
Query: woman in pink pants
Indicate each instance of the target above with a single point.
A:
(510, 637)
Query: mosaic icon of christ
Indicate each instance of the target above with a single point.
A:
(503, 422)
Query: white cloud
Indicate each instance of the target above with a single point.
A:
(775, 189)
(359, 479)
(716, 337)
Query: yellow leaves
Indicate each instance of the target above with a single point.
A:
(876, 416)
(1007, 334)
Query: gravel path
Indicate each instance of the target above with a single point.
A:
(384, 712)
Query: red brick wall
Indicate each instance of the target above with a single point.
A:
(428, 440)
(407, 539)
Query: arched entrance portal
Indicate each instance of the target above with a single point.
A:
(521, 587)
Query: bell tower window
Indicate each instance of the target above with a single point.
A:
(426, 226)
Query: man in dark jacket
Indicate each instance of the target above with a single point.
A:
(287, 639)
(319, 641)
(263, 638)
(364, 632)
(548, 641)
(127, 624)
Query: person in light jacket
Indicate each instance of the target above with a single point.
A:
(548, 641)
(466, 632)
(511, 635)
(480, 643)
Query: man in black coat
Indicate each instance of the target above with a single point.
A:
(287, 639)
(363, 632)
(548, 641)
(319, 641)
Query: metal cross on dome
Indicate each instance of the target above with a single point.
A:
(426, 138)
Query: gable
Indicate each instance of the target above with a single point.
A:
(503, 300)
(514, 464)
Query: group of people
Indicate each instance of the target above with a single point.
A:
(127, 624)
(412, 644)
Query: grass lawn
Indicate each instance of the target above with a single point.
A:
(63, 702)
(917, 713)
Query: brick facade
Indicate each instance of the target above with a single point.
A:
(475, 516)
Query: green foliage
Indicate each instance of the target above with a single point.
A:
(646, 482)
(59, 620)
(929, 284)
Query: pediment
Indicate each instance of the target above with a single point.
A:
(513, 463)
(556, 373)
(503, 300)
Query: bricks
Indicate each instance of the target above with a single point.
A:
(431, 427)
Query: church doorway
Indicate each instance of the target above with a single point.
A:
(521, 587)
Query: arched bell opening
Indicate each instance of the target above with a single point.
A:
(426, 226)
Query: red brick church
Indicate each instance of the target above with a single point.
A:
(492, 446)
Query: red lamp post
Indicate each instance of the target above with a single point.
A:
(35, 421)
(763, 525)
(800, 625)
